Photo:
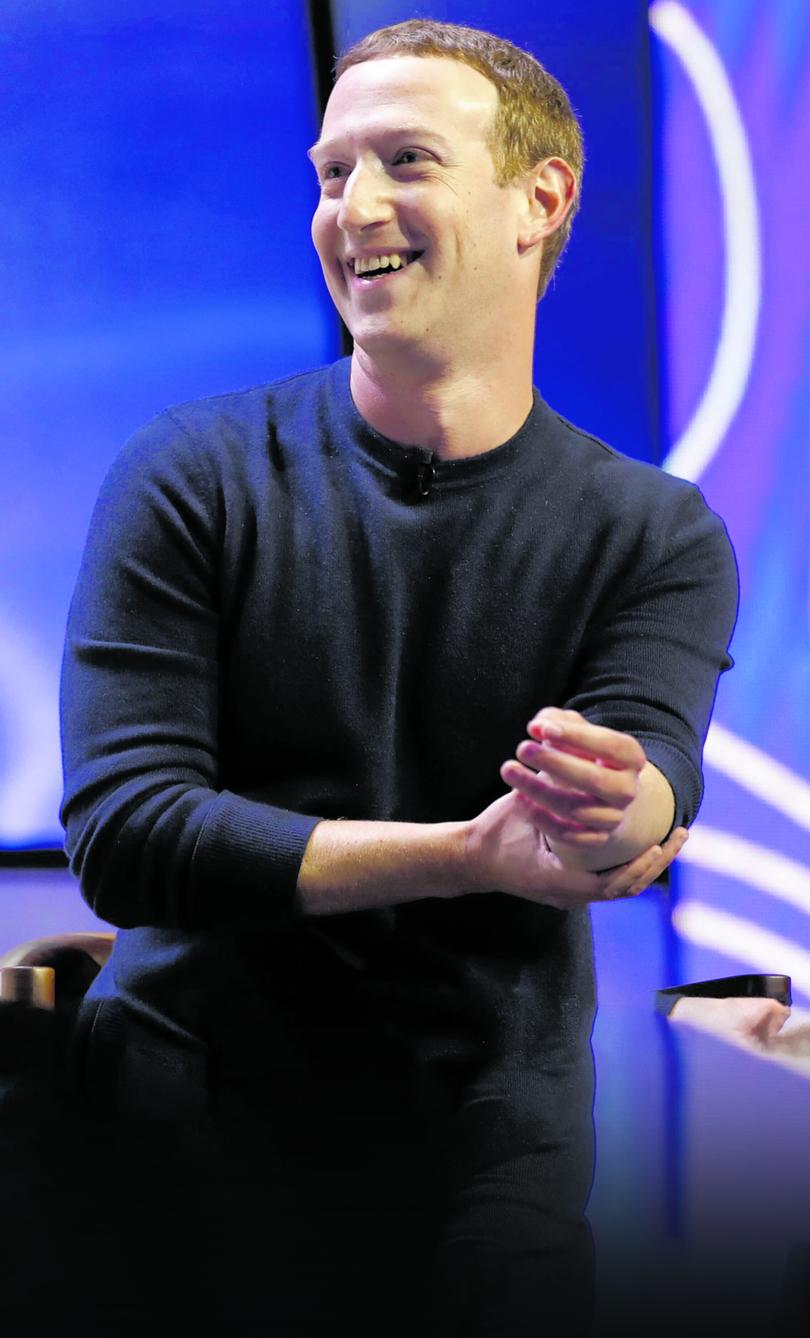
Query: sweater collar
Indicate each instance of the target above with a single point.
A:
(403, 460)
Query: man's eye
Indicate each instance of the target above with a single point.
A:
(407, 156)
(331, 172)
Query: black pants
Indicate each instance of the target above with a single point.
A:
(345, 1193)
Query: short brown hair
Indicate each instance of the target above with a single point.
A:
(534, 119)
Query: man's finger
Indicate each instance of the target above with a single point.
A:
(661, 858)
(639, 873)
(557, 827)
(571, 809)
(612, 746)
(612, 786)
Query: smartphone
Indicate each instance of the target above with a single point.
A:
(752, 986)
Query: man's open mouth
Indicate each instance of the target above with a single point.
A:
(375, 267)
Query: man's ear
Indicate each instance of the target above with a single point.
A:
(551, 189)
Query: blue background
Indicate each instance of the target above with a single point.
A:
(155, 224)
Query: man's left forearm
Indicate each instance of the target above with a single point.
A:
(646, 823)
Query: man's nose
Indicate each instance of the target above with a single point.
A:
(366, 199)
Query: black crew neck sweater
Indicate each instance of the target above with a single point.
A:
(282, 616)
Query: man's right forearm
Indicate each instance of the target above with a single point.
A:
(354, 865)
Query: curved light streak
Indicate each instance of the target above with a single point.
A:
(742, 279)
(29, 789)
(759, 773)
(743, 941)
(734, 857)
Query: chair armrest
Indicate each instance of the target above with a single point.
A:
(46, 951)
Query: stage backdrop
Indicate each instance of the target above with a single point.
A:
(155, 221)
(155, 215)
(732, 81)
(734, 192)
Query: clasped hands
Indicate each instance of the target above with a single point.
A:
(576, 791)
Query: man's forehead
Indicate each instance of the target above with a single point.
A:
(411, 92)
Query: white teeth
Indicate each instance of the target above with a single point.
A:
(365, 264)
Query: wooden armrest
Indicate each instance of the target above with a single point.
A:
(46, 951)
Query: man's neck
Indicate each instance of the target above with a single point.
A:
(453, 412)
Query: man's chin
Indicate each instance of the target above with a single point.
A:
(379, 340)
(397, 349)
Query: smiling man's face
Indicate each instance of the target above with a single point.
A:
(406, 172)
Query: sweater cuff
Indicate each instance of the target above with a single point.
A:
(245, 866)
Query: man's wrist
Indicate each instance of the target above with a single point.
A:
(355, 865)
(647, 822)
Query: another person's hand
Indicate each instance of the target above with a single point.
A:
(507, 852)
(750, 1020)
(580, 778)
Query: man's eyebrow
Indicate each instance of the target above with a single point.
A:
(323, 147)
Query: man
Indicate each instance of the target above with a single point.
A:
(312, 623)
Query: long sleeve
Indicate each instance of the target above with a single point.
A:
(271, 623)
(151, 834)
(654, 650)
(271, 627)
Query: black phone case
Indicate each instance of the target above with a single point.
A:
(751, 986)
